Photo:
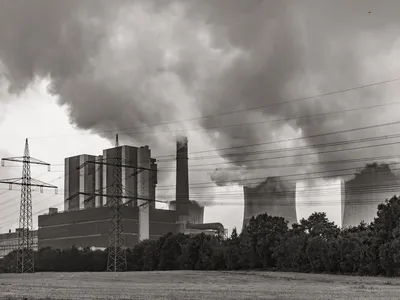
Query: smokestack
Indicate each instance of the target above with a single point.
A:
(182, 179)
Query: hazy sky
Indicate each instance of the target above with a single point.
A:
(103, 65)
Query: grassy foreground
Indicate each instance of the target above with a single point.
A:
(195, 285)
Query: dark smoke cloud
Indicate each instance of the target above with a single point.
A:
(303, 48)
(124, 64)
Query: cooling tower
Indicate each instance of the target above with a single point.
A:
(320, 195)
(274, 197)
(182, 179)
(370, 187)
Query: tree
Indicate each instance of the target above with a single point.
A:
(204, 261)
(233, 254)
(290, 252)
(388, 218)
(316, 251)
(262, 235)
(190, 252)
(318, 225)
(150, 255)
(389, 254)
(171, 250)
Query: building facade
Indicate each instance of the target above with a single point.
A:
(195, 212)
(9, 242)
(78, 180)
(85, 221)
(91, 227)
(137, 177)
(98, 175)
(88, 225)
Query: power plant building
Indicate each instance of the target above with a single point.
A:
(274, 196)
(78, 180)
(189, 213)
(85, 221)
(9, 242)
(86, 217)
(195, 212)
(91, 227)
(97, 178)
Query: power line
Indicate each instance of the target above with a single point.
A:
(37, 202)
(322, 95)
(261, 122)
(305, 147)
(296, 155)
(332, 172)
(317, 163)
(358, 189)
(212, 184)
(284, 178)
(296, 139)
(172, 169)
(315, 191)
(35, 214)
(322, 192)
(298, 148)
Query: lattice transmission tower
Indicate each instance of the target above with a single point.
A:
(116, 249)
(25, 253)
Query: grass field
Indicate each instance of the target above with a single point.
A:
(195, 285)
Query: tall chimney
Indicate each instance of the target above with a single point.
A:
(182, 179)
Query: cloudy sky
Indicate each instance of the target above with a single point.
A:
(73, 73)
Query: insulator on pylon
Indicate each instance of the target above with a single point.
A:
(10, 186)
(56, 191)
(41, 189)
(49, 168)
(2, 163)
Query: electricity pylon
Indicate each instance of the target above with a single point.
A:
(116, 247)
(25, 254)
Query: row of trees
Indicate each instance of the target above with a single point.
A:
(313, 245)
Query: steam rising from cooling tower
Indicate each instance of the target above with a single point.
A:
(129, 64)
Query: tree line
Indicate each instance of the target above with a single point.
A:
(312, 245)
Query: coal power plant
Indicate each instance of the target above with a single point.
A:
(358, 201)
(85, 221)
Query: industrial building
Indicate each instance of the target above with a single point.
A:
(78, 180)
(274, 196)
(99, 177)
(189, 213)
(195, 210)
(9, 242)
(86, 217)
(370, 187)
(91, 227)
(85, 221)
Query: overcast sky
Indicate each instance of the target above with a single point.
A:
(69, 69)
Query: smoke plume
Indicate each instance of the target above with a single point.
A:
(136, 64)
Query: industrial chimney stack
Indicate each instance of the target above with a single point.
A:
(182, 180)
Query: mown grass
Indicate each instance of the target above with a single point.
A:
(195, 285)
